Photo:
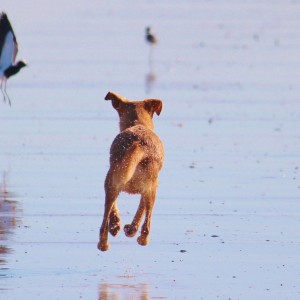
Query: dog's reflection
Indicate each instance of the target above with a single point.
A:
(8, 219)
(123, 292)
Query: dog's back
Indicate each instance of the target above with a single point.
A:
(137, 156)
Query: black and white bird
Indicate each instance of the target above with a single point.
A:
(150, 37)
(8, 53)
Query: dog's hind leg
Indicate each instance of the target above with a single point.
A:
(148, 199)
(119, 174)
(131, 229)
(111, 194)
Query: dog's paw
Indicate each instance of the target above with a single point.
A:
(114, 224)
(143, 241)
(130, 230)
(103, 246)
(114, 229)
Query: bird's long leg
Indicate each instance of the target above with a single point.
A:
(6, 93)
(150, 56)
(4, 98)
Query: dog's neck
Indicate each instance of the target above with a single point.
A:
(124, 124)
(135, 115)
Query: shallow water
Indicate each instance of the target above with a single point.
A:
(227, 212)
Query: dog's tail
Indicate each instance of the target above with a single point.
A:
(123, 171)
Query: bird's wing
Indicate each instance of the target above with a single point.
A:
(16, 48)
(8, 51)
(8, 43)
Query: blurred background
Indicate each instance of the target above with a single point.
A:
(228, 75)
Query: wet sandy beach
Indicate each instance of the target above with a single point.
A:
(225, 223)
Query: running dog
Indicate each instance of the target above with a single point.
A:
(136, 157)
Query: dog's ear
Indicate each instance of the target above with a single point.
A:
(115, 99)
(153, 105)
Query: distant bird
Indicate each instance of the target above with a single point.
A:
(8, 53)
(150, 37)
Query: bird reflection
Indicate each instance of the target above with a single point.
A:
(150, 80)
(150, 76)
(123, 292)
(8, 219)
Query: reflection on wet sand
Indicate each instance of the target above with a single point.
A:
(150, 79)
(150, 76)
(123, 291)
(8, 218)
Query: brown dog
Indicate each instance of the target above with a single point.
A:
(136, 157)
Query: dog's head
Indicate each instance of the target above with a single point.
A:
(133, 113)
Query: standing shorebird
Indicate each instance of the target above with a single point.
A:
(150, 37)
(8, 53)
(151, 40)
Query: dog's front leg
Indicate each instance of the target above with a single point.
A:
(148, 200)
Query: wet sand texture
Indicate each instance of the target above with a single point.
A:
(227, 213)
